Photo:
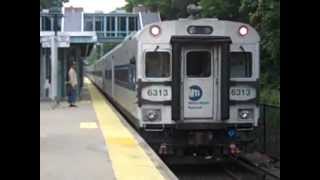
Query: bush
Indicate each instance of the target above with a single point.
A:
(270, 96)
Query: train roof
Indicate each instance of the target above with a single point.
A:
(179, 28)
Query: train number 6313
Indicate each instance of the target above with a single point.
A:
(157, 92)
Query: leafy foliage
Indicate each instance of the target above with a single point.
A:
(222, 9)
(169, 9)
(48, 3)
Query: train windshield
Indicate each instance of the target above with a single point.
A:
(241, 65)
(157, 64)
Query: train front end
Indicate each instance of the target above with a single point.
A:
(198, 87)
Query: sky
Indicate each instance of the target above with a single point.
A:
(96, 5)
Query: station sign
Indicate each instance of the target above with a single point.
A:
(63, 41)
(46, 41)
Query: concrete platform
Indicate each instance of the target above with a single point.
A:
(93, 142)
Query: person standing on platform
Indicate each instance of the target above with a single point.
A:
(73, 83)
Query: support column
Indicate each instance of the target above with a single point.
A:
(54, 69)
(40, 23)
(61, 69)
(42, 74)
(65, 71)
(94, 23)
(116, 26)
(78, 55)
(59, 80)
(127, 26)
(105, 26)
(51, 24)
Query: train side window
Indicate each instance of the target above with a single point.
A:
(240, 65)
(122, 74)
(198, 64)
(157, 64)
(125, 76)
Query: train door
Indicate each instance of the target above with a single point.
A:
(198, 83)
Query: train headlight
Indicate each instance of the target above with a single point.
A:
(245, 114)
(155, 30)
(243, 30)
(151, 114)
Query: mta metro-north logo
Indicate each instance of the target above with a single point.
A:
(195, 93)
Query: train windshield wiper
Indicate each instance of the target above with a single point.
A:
(156, 49)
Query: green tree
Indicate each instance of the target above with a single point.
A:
(169, 9)
(44, 4)
(222, 9)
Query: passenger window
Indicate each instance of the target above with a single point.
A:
(241, 65)
(199, 64)
(157, 64)
(122, 74)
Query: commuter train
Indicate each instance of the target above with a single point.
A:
(188, 86)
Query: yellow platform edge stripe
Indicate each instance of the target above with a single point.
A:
(129, 161)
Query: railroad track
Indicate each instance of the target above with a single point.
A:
(216, 172)
(232, 169)
(262, 170)
(203, 172)
(232, 175)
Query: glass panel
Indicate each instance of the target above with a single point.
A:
(121, 23)
(133, 24)
(110, 26)
(99, 23)
(198, 64)
(122, 26)
(240, 64)
(46, 23)
(88, 23)
(157, 64)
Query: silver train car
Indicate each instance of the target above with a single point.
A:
(189, 86)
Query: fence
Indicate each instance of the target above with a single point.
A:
(268, 133)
